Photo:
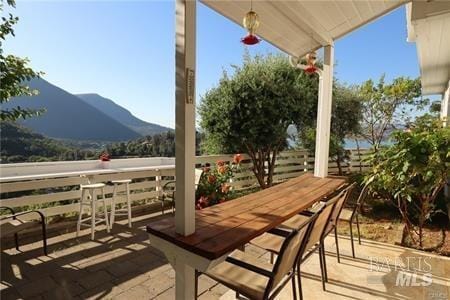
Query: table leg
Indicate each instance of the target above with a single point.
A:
(184, 281)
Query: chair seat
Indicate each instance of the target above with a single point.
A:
(269, 242)
(14, 226)
(169, 194)
(123, 181)
(272, 242)
(346, 214)
(240, 279)
(295, 222)
(92, 186)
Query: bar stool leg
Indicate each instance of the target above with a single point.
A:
(105, 210)
(93, 200)
(128, 204)
(113, 206)
(83, 192)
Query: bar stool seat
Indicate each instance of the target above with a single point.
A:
(116, 193)
(121, 181)
(89, 198)
(93, 186)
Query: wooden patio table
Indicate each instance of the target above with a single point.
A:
(222, 228)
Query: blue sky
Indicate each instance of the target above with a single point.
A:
(125, 50)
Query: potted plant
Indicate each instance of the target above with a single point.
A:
(105, 158)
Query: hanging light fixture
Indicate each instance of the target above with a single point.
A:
(251, 23)
(311, 59)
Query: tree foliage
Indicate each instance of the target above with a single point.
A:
(14, 73)
(157, 145)
(413, 170)
(250, 110)
(345, 121)
(387, 106)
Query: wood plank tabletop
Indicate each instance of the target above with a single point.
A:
(227, 226)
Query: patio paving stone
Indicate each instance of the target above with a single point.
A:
(123, 265)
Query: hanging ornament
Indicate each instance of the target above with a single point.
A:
(251, 23)
(311, 58)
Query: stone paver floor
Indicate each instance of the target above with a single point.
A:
(123, 265)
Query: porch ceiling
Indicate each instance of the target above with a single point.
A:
(429, 27)
(298, 26)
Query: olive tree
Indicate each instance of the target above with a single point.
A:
(345, 121)
(249, 111)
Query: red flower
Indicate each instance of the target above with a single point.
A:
(237, 158)
(250, 39)
(105, 157)
(206, 169)
(222, 169)
(211, 179)
(202, 202)
(225, 188)
(220, 163)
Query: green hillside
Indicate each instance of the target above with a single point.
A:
(19, 144)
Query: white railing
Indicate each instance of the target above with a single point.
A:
(53, 187)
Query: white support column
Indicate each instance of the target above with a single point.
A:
(185, 27)
(185, 117)
(324, 114)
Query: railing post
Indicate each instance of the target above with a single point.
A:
(158, 186)
(305, 161)
(350, 161)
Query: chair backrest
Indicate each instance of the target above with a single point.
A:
(321, 222)
(289, 252)
(343, 196)
(198, 176)
(361, 198)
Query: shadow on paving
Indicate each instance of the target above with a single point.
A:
(81, 268)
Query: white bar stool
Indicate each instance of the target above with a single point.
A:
(89, 198)
(125, 193)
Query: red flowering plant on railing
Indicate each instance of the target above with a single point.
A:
(105, 156)
(214, 185)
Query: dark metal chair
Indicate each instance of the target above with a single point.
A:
(339, 202)
(168, 190)
(12, 225)
(256, 280)
(351, 215)
(332, 225)
(315, 241)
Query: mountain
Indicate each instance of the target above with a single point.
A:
(69, 117)
(122, 115)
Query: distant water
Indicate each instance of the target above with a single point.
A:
(351, 144)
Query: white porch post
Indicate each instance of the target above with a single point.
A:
(324, 114)
(445, 106)
(185, 41)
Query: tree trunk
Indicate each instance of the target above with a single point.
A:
(258, 166)
(271, 166)
(338, 162)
